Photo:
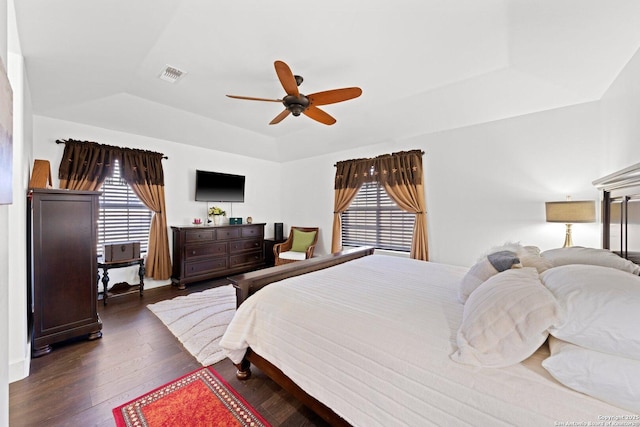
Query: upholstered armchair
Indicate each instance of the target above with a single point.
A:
(298, 246)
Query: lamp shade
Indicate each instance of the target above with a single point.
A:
(571, 212)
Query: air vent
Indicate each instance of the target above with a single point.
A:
(171, 74)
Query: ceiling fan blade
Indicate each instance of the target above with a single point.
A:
(333, 96)
(318, 115)
(250, 98)
(286, 78)
(280, 117)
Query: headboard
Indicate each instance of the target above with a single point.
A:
(621, 212)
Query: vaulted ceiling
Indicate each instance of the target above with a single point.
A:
(423, 65)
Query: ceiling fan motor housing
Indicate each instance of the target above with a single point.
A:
(296, 104)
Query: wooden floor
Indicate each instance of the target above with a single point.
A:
(80, 382)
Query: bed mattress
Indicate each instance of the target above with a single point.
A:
(372, 339)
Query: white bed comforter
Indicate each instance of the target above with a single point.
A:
(371, 339)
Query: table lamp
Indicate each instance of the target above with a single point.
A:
(571, 212)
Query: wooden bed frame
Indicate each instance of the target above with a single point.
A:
(621, 212)
(620, 209)
(249, 283)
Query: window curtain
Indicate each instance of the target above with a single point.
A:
(85, 165)
(143, 172)
(401, 174)
(350, 175)
(402, 177)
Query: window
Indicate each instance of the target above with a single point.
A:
(123, 217)
(373, 219)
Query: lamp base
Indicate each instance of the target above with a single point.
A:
(567, 238)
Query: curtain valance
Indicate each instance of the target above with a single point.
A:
(87, 164)
(401, 168)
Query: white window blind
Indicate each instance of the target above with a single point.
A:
(123, 217)
(373, 219)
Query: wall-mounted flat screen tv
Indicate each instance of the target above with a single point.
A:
(219, 187)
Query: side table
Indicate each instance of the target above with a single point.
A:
(122, 288)
(269, 257)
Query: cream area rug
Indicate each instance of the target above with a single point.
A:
(199, 320)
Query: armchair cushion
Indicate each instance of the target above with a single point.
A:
(293, 256)
(302, 240)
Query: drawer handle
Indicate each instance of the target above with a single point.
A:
(193, 253)
(256, 244)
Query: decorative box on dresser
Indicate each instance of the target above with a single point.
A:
(62, 238)
(206, 252)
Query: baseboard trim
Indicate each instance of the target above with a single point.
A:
(19, 370)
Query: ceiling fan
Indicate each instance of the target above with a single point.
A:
(296, 103)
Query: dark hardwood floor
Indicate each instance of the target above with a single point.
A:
(80, 381)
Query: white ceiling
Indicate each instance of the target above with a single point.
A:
(423, 65)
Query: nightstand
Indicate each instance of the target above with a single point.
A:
(269, 243)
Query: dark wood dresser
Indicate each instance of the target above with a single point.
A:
(63, 270)
(206, 252)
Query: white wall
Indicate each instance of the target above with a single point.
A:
(484, 184)
(18, 346)
(4, 257)
(620, 111)
(262, 194)
(13, 324)
(19, 349)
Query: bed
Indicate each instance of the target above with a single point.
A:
(370, 340)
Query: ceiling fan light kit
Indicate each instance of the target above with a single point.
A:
(296, 103)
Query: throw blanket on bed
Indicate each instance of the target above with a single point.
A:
(372, 339)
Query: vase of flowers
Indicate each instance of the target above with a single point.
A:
(216, 214)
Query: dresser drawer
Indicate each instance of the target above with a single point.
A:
(252, 231)
(245, 245)
(206, 250)
(197, 268)
(199, 235)
(224, 233)
(246, 259)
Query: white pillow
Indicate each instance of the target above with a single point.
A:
(599, 308)
(527, 256)
(592, 256)
(530, 257)
(484, 269)
(505, 320)
(613, 379)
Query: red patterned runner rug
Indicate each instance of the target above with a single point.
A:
(201, 398)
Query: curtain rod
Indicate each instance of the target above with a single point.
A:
(371, 158)
(63, 142)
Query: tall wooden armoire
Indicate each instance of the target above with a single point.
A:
(62, 236)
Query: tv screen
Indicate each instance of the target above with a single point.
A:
(219, 187)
